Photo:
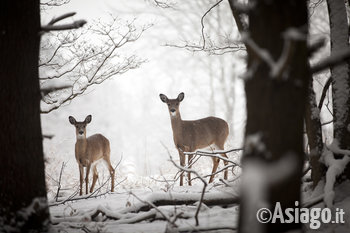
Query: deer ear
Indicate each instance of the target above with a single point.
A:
(163, 98)
(181, 96)
(88, 119)
(72, 120)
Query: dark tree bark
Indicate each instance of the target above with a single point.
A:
(23, 204)
(275, 111)
(339, 34)
(314, 135)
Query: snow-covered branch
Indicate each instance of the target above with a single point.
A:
(335, 168)
(82, 62)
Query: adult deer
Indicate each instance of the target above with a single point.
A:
(192, 135)
(90, 150)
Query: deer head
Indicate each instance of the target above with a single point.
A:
(80, 127)
(173, 104)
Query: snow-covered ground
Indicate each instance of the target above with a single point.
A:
(122, 208)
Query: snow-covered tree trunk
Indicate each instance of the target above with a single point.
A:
(339, 34)
(314, 135)
(273, 154)
(23, 204)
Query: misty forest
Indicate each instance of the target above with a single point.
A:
(175, 116)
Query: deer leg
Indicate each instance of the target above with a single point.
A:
(111, 172)
(182, 163)
(225, 163)
(94, 178)
(81, 175)
(215, 166)
(87, 178)
(189, 161)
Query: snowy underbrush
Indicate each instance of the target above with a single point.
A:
(149, 210)
(151, 202)
(314, 199)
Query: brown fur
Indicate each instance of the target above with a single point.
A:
(197, 134)
(89, 150)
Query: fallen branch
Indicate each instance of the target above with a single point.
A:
(164, 199)
(155, 208)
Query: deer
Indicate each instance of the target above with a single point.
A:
(89, 151)
(190, 136)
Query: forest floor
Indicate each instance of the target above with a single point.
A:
(154, 206)
(128, 211)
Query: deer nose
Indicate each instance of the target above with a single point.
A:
(172, 110)
(81, 132)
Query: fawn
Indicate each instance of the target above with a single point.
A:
(90, 150)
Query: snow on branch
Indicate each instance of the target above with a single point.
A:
(80, 61)
(171, 221)
(53, 88)
(205, 184)
(51, 27)
(216, 154)
(96, 193)
(335, 168)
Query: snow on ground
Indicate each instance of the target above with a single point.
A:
(76, 216)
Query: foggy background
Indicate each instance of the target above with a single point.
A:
(127, 109)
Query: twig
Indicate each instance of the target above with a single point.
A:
(59, 180)
(202, 20)
(203, 190)
(91, 195)
(215, 154)
(324, 92)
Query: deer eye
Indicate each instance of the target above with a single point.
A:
(168, 104)
(177, 104)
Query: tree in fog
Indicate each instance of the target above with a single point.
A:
(85, 57)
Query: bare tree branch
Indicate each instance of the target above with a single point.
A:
(324, 92)
(51, 27)
(202, 20)
(331, 61)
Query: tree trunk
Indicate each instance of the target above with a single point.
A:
(22, 184)
(339, 34)
(314, 135)
(275, 111)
